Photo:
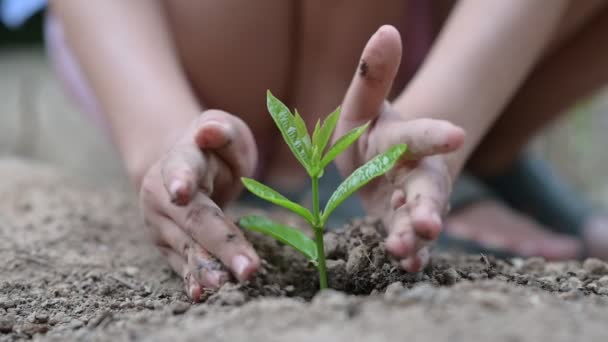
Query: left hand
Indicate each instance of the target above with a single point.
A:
(411, 198)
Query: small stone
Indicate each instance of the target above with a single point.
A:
(75, 324)
(394, 289)
(93, 274)
(565, 287)
(603, 281)
(200, 310)
(517, 263)
(574, 283)
(602, 291)
(534, 264)
(59, 317)
(32, 329)
(572, 295)
(31, 317)
(450, 276)
(289, 288)
(357, 259)
(105, 290)
(475, 276)
(547, 279)
(149, 304)
(229, 294)
(147, 290)
(337, 276)
(420, 293)
(96, 321)
(595, 266)
(6, 303)
(369, 234)
(491, 300)
(591, 287)
(41, 317)
(333, 247)
(131, 271)
(6, 324)
(331, 299)
(180, 308)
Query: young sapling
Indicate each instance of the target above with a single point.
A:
(310, 152)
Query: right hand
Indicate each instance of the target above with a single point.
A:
(182, 195)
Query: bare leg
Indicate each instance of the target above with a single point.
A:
(574, 66)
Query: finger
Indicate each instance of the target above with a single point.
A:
(229, 137)
(427, 188)
(424, 137)
(417, 206)
(205, 223)
(193, 289)
(403, 240)
(373, 79)
(417, 262)
(184, 170)
(200, 265)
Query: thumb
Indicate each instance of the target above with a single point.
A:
(373, 79)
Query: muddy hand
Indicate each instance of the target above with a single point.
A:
(182, 195)
(412, 197)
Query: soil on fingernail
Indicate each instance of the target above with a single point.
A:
(90, 273)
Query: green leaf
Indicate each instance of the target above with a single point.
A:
(288, 125)
(315, 132)
(342, 144)
(287, 235)
(301, 127)
(321, 136)
(377, 166)
(272, 196)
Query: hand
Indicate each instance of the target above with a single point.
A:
(182, 195)
(412, 197)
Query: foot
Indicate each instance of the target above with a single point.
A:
(496, 226)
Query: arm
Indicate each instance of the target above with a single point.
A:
(126, 52)
(482, 55)
(187, 164)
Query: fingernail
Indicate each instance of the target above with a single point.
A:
(193, 292)
(175, 187)
(215, 278)
(239, 265)
(436, 219)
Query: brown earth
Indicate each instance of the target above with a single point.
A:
(76, 265)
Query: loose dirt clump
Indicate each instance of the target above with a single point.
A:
(77, 265)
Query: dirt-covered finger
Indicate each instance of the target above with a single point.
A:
(193, 289)
(184, 171)
(424, 137)
(206, 224)
(418, 261)
(204, 268)
(427, 189)
(373, 79)
(230, 139)
(401, 239)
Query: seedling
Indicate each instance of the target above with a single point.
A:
(310, 153)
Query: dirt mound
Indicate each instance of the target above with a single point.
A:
(77, 265)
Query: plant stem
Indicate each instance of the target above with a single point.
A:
(318, 229)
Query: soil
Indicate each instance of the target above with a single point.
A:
(76, 264)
